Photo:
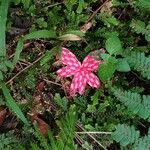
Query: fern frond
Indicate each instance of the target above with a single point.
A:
(127, 135)
(8, 141)
(136, 103)
(143, 4)
(142, 143)
(138, 26)
(139, 62)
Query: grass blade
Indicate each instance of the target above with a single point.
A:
(3, 19)
(18, 51)
(12, 104)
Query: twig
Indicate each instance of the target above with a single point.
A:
(95, 140)
(79, 140)
(24, 61)
(9, 81)
(93, 132)
(96, 11)
(91, 136)
(51, 82)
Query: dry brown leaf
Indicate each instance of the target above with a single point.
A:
(86, 27)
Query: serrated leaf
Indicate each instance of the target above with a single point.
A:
(138, 26)
(113, 44)
(123, 65)
(107, 69)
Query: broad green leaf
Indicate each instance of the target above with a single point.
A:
(113, 44)
(40, 34)
(12, 104)
(107, 69)
(123, 65)
(3, 19)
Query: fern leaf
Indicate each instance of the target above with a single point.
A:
(125, 135)
(142, 144)
(136, 103)
(139, 62)
(138, 26)
(8, 141)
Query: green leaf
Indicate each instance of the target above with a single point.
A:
(138, 26)
(3, 19)
(8, 63)
(40, 34)
(123, 65)
(12, 104)
(80, 6)
(105, 56)
(95, 98)
(26, 3)
(107, 69)
(144, 4)
(3, 67)
(18, 51)
(1, 76)
(113, 44)
(62, 102)
(49, 55)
